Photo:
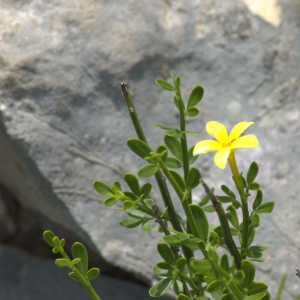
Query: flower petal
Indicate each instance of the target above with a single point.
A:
(217, 131)
(246, 141)
(221, 157)
(238, 129)
(206, 146)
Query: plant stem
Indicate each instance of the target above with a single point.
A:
(85, 282)
(158, 176)
(224, 226)
(184, 201)
(237, 178)
(189, 281)
(184, 150)
(236, 293)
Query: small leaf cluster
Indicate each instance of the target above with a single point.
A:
(171, 269)
(195, 97)
(79, 262)
(135, 202)
(221, 280)
(233, 204)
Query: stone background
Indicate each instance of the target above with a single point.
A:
(64, 122)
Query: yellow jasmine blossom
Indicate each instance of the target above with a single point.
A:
(225, 144)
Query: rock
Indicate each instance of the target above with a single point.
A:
(27, 277)
(64, 122)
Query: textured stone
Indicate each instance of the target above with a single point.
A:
(65, 124)
(26, 277)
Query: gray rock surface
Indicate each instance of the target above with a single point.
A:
(27, 277)
(64, 123)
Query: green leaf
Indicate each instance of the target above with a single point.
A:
(146, 189)
(193, 179)
(176, 82)
(202, 266)
(178, 179)
(255, 297)
(147, 226)
(130, 223)
(173, 162)
(103, 188)
(255, 219)
(117, 184)
(48, 236)
(148, 170)
(160, 288)
(176, 103)
(209, 208)
(73, 276)
(193, 111)
(164, 127)
(195, 96)
(254, 186)
(162, 272)
(257, 287)
(162, 149)
(204, 200)
(176, 239)
(192, 158)
(55, 250)
(224, 263)
(251, 235)
(164, 265)
(252, 172)
(139, 147)
(236, 204)
(75, 261)
(258, 199)
(238, 277)
(180, 263)
(249, 270)
(134, 213)
(133, 183)
(200, 220)
(258, 248)
(214, 286)
(177, 286)
(92, 273)
(228, 191)
(174, 133)
(110, 201)
(79, 251)
(257, 259)
(165, 85)
(63, 262)
(194, 243)
(232, 217)
(166, 253)
(174, 146)
(265, 208)
(225, 199)
(183, 297)
(254, 254)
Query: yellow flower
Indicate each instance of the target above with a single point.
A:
(225, 144)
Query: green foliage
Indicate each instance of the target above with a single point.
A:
(78, 264)
(190, 265)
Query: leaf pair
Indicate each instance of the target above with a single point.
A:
(79, 255)
(170, 269)
(194, 98)
(138, 217)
